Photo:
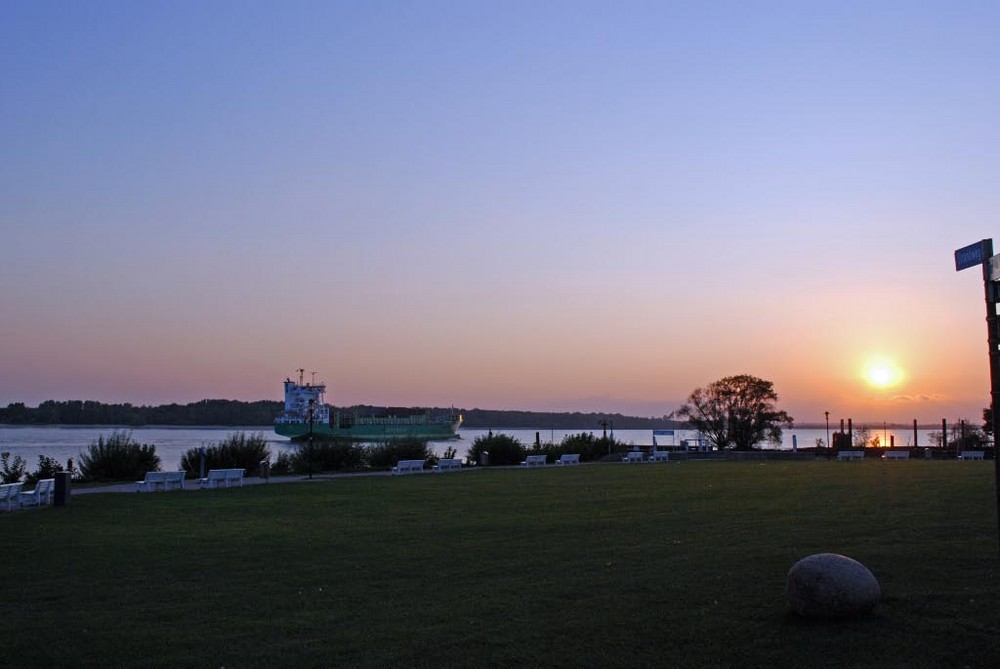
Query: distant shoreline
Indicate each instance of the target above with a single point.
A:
(924, 427)
(261, 414)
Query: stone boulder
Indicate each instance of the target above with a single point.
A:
(828, 585)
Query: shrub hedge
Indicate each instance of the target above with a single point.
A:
(386, 455)
(323, 456)
(118, 457)
(503, 449)
(239, 451)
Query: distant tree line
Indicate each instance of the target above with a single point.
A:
(263, 413)
(490, 418)
(205, 412)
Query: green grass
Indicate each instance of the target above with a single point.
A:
(678, 564)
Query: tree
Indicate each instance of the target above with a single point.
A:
(736, 412)
(967, 436)
(11, 471)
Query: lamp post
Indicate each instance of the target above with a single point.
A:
(309, 454)
(604, 424)
(828, 444)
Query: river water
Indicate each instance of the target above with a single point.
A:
(62, 442)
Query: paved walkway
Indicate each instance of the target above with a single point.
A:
(192, 484)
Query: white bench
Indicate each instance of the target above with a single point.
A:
(164, 480)
(404, 466)
(42, 494)
(851, 455)
(971, 455)
(568, 459)
(896, 455)
(534, 461)
(659, 456)
(633, 456)
(445, 464)
(222, 478)
(10, 494)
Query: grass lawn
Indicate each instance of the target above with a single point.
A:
(674, 564)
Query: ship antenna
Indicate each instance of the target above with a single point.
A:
(314, 377)
(301, 372)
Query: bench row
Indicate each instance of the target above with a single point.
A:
(540, 460)
(574, 458)
(13, 496)
(904, 455)
(217, 478)
(414, 466)
(639, 456)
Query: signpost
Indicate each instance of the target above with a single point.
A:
(973, 254)
(981, 253)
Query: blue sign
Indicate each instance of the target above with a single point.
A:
(970, 256)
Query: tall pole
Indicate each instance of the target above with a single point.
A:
(993, 340)
(981, 253)
(604, 424)
(828, 444)
(309, 455)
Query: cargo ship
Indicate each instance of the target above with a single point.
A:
(307, 413)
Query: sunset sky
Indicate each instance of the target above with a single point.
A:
(538, 205)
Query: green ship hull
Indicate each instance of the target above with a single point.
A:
(354, 427)
(376, 433)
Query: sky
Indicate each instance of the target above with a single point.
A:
(536, 205)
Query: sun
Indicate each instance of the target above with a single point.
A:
(881, 373)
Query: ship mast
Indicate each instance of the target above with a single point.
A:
(301, 374)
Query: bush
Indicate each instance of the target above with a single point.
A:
(282, 465)
(118, 458)
(325, 456)
(47, 469)
(11, 471)
(588, 446)
(503, 449)
(450, 453)
(239, 451)
(386, 455)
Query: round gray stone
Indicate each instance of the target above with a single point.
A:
(827, 585)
